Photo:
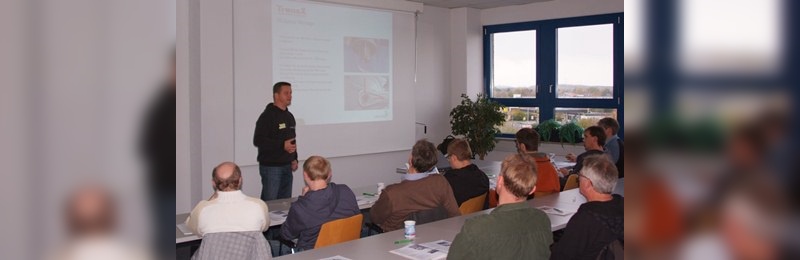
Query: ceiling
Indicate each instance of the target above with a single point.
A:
(477, 4)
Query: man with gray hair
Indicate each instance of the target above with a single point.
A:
(599, 221)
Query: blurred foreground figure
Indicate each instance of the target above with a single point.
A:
(91, 221)
(157, 148)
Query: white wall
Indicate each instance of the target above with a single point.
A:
(549, 10)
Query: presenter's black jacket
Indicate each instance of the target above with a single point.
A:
(273, 128)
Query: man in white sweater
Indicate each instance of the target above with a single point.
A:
(228, 210)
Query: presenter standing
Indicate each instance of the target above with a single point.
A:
(277, 149)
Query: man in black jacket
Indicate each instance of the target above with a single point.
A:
(599, 221)
(466, 179)
(277, 149)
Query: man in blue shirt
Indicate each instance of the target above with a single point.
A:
(320, 202)
(614, 145)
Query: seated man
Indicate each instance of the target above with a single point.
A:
(600, 220)
(465, 178)
(228, 210)
(321, 201)
(528, 143)
(614, 146)
(513, 230)
(419, 190)
(593, 139)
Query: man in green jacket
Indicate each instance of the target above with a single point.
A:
(514, 230)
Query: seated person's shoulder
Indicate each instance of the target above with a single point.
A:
(478, 224)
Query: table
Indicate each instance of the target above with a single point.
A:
(378, 246)
(364, 202)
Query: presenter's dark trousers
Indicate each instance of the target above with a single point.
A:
(276, 182)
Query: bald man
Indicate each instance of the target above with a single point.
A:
(228, 210)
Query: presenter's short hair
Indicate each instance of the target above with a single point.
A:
(277, 87)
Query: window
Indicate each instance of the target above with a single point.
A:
(514, 58)
(566, 69)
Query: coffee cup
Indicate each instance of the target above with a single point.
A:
(381, 186)
(410, 229)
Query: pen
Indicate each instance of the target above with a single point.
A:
(369, 194)
(402, 241)
(558, 210)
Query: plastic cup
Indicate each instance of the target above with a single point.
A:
(381, 186)
(410, 229)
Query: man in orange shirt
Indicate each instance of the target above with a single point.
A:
(528, 143)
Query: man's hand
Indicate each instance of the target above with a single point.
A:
(294, 165)
(570, 157)
(289, 146)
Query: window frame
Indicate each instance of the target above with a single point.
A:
(546, 64)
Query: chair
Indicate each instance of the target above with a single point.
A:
(539, 194)
(233, 245)
(572, 182)
(340, 230)
(472, 205)
(333, 232)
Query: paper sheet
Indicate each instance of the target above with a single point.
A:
(184, 229)
(555, 211)
(278, 215)
(432, 250)
(338, 257)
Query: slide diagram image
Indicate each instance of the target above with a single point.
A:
(366, 55)
(366, 92)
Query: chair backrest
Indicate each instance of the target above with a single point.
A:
(233, 245)
(572, 182)
(340, 230)
(428, 215)
(539, 194)
(472, 205)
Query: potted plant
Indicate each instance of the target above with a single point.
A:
(570, 132)
(478, 122)
(548, 130)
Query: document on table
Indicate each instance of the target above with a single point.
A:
(278, 215)
(432, 250)
(555, 211)
(562, 164)
(365, 199)
(338, 257)
(184, 229)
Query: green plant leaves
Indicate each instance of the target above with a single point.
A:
(478, 122)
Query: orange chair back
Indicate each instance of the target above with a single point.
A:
(473, 205)
(340, 230)
(572, 182)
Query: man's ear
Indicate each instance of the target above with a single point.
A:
(532, 190)
(213, 185)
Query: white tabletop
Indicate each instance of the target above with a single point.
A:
(378, 246)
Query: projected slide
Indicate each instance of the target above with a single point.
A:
(340, 67)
